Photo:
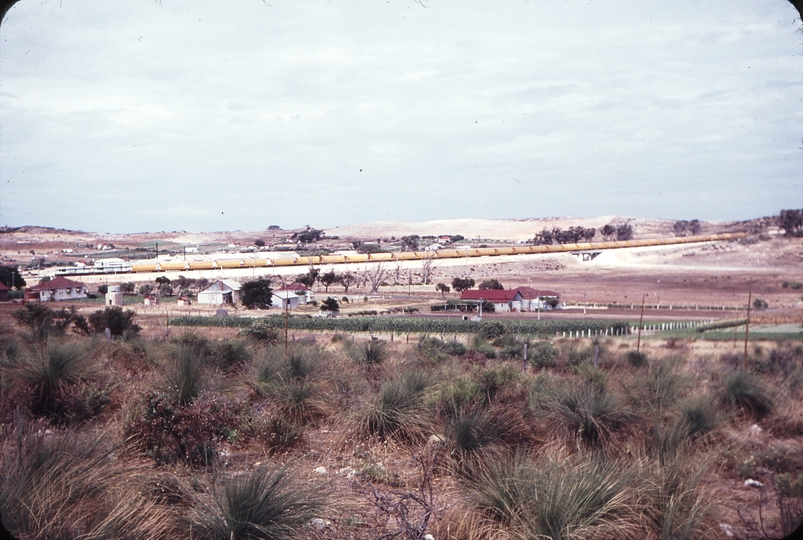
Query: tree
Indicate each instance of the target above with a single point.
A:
(694, 227)
(10, 277)
(491, 284)
(347, 280)
(309, 236)
(363, 247)
(462, 284)
(442, 288)
(259, 243)
(103, 289)
(330, 304)
(608, 232)
(43, 321)
(329, 278)
(127, 287)
(427, 267)
(146, 289)
(256, 294)
(309, 279)
(182, 283)
(410, 243)
(165, 289)
(624, 231)
(118, 322)
(791, 221)
(680, 227)
(456, 238)
(375, 275)
(163, 280)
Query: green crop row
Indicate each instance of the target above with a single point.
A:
(718, 325)
(412, 325)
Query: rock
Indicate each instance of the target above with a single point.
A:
(319, 470)
(320, 524)
(753, 483)
(436, 439)
(348, 471)
(755, 429)
(429, 537)
(727, 529)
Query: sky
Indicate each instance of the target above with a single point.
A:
(213, 115)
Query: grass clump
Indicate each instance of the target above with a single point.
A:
(371, 353)
(266, 503)
(290, 379)
(398, 411)
(184, 372)
(556, 497)
(46, 371)
(742, 392)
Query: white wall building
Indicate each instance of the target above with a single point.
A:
(221, 292)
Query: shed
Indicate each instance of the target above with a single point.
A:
(221, 292)
(305, 295)
(538, 300)
(285, 299)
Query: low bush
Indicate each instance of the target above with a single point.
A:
(636, 359)
(542, 354)
(491, 330)
(262, 332)
(398, 412)
(371, 353)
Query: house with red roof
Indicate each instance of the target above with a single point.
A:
(57, 289)
(305, 295)
(538, 300)
(502, 299)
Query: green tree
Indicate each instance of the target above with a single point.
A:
(163, 280)
(259, 243)
(256, 294)
(347, 280)
(442, 288)
(118, 322)
(624, 231)
(791, 221)
(608, 232)
(127, 287)
(330, 304)
(329, 278)
(43, 321)
(491, 285)
(309, 279)
(103, 289)
(462, 284)
(10, 277)
(410, 243)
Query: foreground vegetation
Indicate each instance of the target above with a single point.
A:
(183, 436)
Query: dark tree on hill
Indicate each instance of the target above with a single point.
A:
(256, 294)
(146, 289)
(608, 232)
(363, 247)
(103, 289)
(791, 221)
(491, 285)
(163, 280)
(624, 231)
(462, 284)
(165, 289)
(330, 304)
(680, 227)
(259, 243)
(456, 238)
(127, 287)
(118, 322)
(694, 227)
(309, 236)
(10, 277)
(329, 278)
(347, 280)
(182, 283)
(442, 288)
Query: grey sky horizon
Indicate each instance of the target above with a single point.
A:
(209, 116)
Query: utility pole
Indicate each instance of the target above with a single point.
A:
(640, 320)
(747, 330)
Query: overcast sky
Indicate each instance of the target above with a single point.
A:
(220, 115)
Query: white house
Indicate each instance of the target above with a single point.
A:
(305, 295)
(221, 292)
(285, 299)
(57, 289)
(538, 300)
(503, 300)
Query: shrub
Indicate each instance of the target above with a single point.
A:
(636, 359)
(434, 349)
(742, 392)
(542, 354)
(261, 332)
(169, 433)
(269, 503)
(492, 380)
(700, 415)
(231, 353)
(491, 330)
(120, 323)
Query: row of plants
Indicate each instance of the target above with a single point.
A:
(403, 325)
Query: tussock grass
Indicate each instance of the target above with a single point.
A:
(70, 485)
(373, 352)
(292, 380)
(184, 372)
(266, 503)
(398, 411)
(742, 392)
(554, 497)
(47, 370)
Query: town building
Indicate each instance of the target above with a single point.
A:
(221, 292)
(503, 300)
(285, 299)
(56, 290)
(538, 300)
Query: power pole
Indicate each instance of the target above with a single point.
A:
(640, 320)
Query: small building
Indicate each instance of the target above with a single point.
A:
(538, 300)
(183, 301)
(503, 300)
(114, 295)
(151, 300)
(219, 293)
(285, 299)
(56, 290)
(305, 295)
(3, 292)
